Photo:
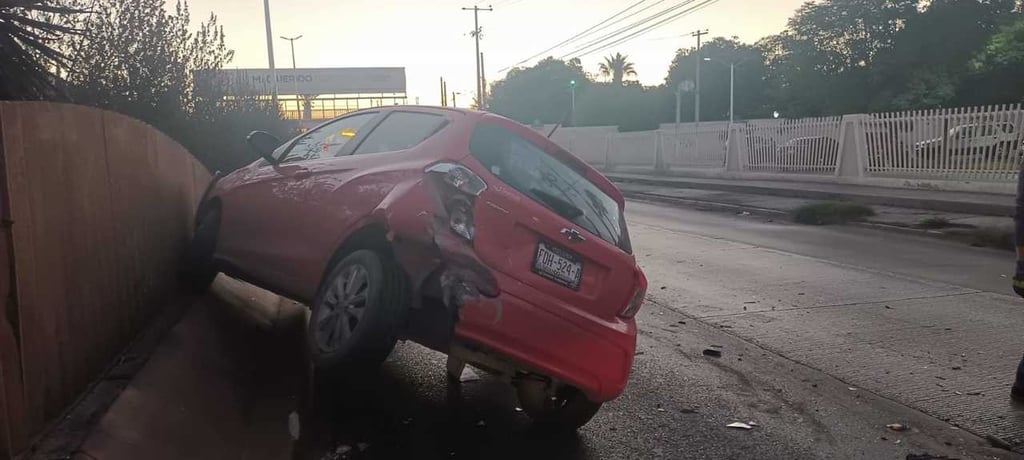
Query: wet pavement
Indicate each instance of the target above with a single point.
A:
(809, 354)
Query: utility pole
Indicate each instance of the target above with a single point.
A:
(454, 104)
(476, 34)
(270, 47)
(482, 103)
(696, 105)
(292, 41)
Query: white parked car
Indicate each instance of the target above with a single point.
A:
(995, 139)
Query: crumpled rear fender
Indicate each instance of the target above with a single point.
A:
(417, 227)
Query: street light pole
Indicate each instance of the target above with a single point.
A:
(292, 42)
(732, 90)
(270, 47)
(572, 117)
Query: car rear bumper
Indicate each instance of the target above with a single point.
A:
(559, 341)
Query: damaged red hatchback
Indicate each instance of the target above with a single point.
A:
(463, 231)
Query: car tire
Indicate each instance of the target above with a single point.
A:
(357, 313)
(566, 411)
(199, 268)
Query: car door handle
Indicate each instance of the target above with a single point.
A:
(302, 173)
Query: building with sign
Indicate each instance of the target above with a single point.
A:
(310, 96)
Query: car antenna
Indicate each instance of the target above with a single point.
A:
(557, 125)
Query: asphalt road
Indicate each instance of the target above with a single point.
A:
(827, 335)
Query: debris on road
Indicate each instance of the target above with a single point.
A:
(518, 409)
(956, 368)
(682, 322)
(294, 428)
(688, 410)
(852, 388)
(740, 426)
(468, 375)
(343, 449)
(712, 353)
(897, 427)
(928, 457)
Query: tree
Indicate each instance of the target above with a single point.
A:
(999, 67)
(750, 86)
(617, 66)
(141, 60)
(541, 92)
(28, 59)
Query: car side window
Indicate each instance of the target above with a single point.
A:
(327, 140)
(401, 131)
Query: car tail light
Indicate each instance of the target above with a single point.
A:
(463, 186)
(634, 303)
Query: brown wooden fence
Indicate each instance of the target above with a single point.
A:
(95, 208)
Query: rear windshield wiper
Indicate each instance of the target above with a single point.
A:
(563, 207)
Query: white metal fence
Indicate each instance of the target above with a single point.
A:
(808, 145)
(970, 143)
(976, 144)
(703, 147)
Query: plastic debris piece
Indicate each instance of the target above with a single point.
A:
(468, 375)
(712, 353)
(739, 425)
(852, 388)
(897, 427)
(294, 426)
(518, 409)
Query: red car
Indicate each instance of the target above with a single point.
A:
(463, 231)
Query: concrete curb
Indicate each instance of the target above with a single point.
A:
(929, 204)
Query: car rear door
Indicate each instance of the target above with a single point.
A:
(542, 222)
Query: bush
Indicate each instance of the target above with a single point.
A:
(829, 213)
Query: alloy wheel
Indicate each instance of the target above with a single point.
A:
(343, 308)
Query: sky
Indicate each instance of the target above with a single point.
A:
(431, 39)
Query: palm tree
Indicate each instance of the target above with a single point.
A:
(617, 67)
(28, 60)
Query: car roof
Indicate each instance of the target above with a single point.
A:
(418, 108)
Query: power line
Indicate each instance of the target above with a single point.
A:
(695, 8)
(625, 29)
(577, 36)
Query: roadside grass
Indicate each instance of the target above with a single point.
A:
(831, 213)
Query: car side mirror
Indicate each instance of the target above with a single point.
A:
(264, 144)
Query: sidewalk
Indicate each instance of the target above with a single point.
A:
(985, 204)
(221, 384)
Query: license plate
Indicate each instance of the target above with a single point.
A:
(558, 265)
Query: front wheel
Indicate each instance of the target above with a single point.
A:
(565, 408)
(357, 313)
(199, 268)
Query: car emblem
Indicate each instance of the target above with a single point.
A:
(573, 235)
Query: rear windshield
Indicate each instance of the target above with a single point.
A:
(550, 182)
